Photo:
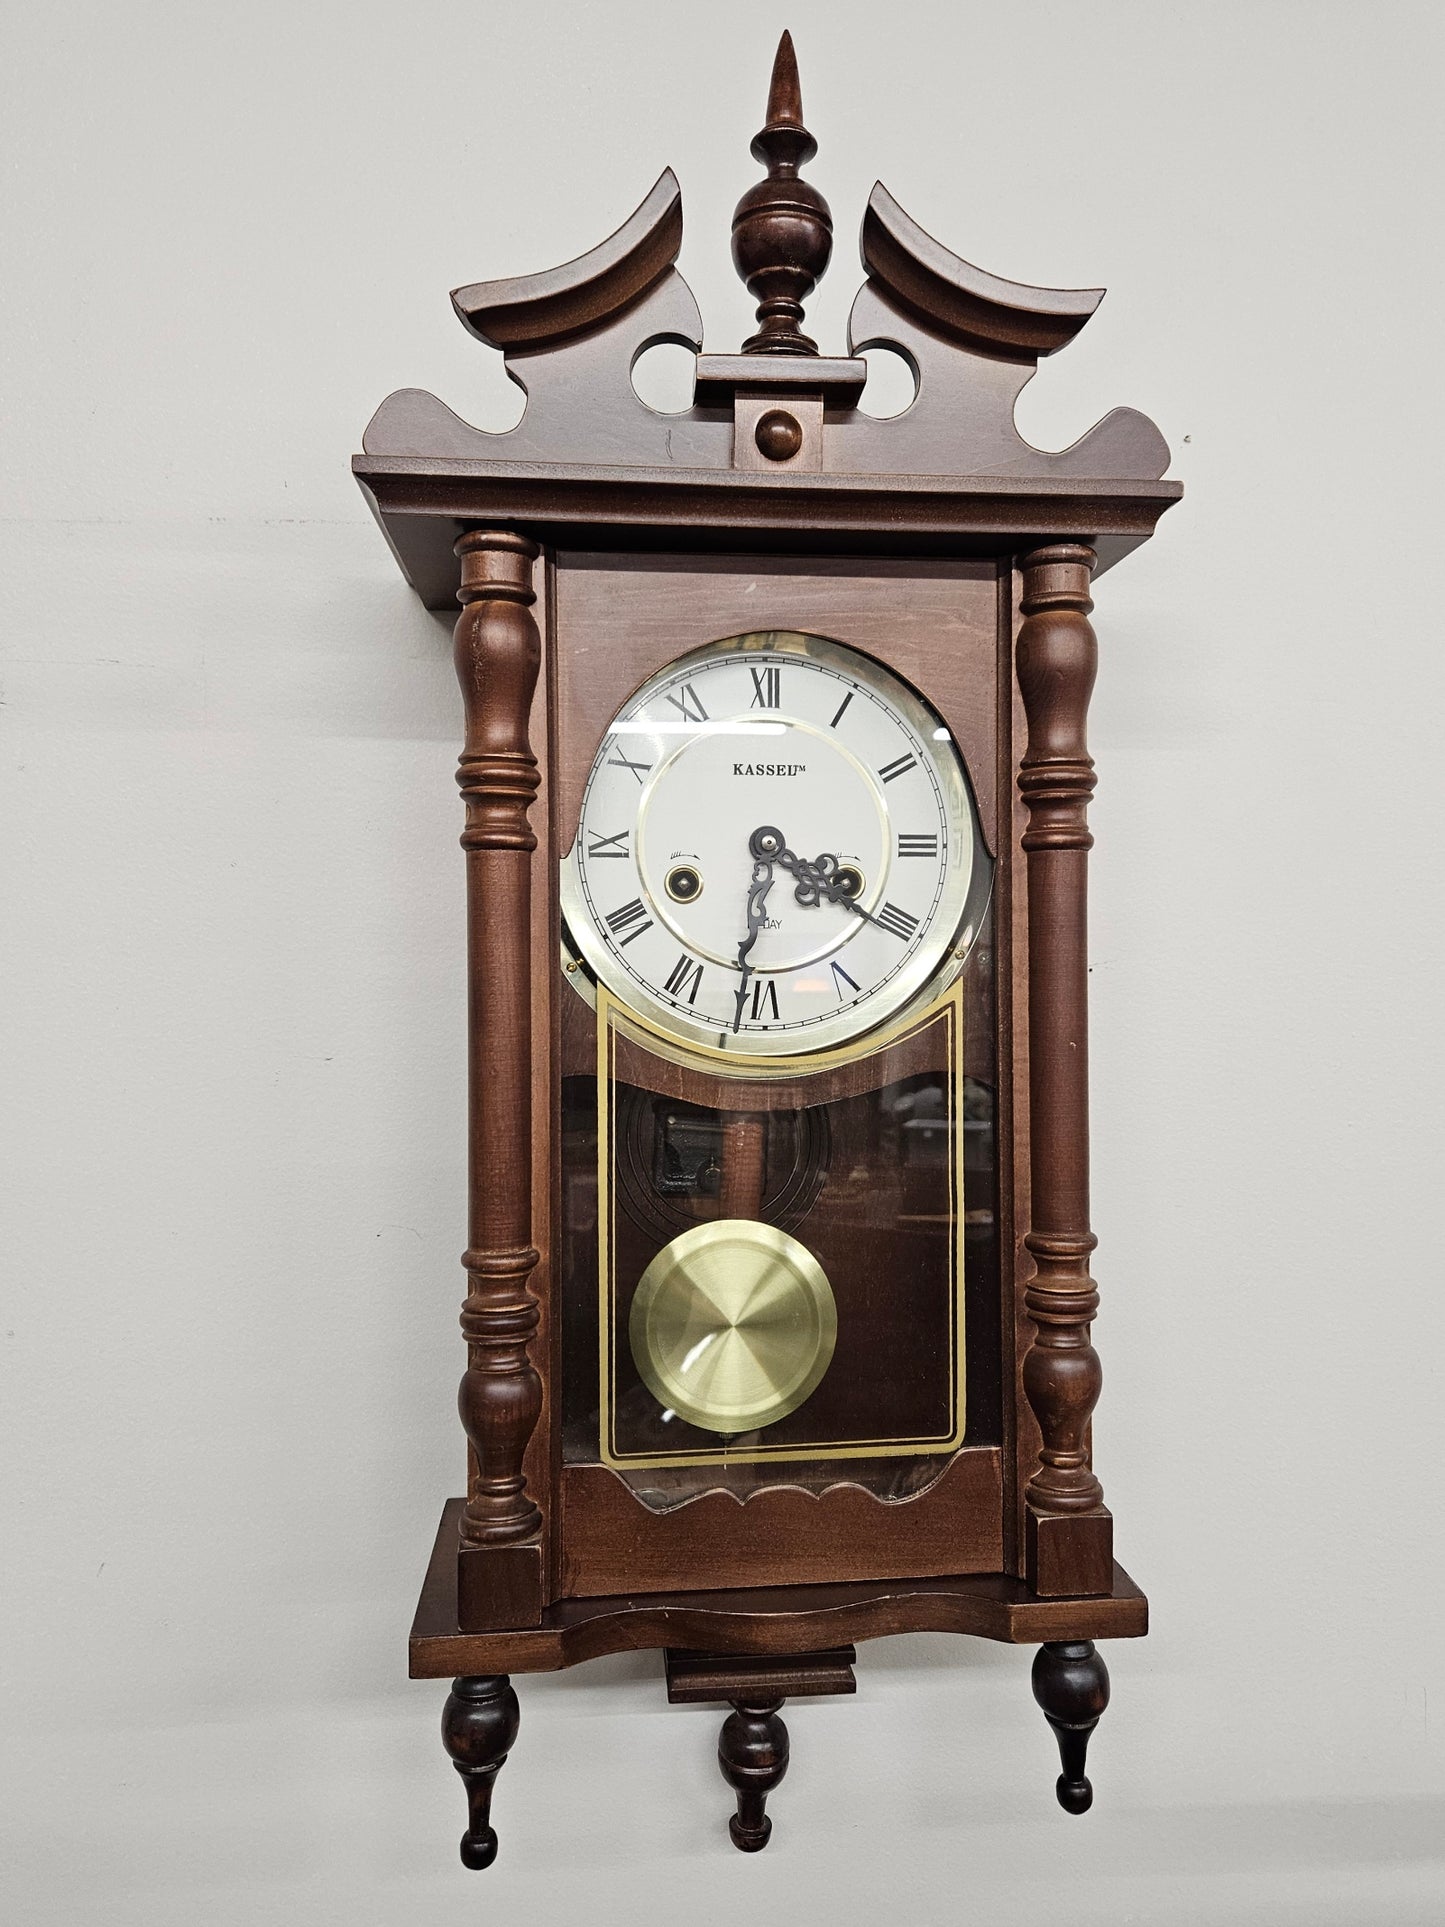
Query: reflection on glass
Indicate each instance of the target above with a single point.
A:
(843, 1323)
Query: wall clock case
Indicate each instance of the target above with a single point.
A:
(778, 1298)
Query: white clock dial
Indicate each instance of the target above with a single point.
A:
(776, 848)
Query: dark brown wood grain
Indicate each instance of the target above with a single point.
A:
(999, 317)
(781, 1535)
(590, 465)
(838, 381)
(1010, 913)
(787, 1619)
(1069, 1544)
(498, 653)
(752, 1751)
(753, 1746)
(534, 310)
(1071, 1685)
(782, 227)
(699, 1678)
(425, 502)
(542, 1460)
(480, 1722)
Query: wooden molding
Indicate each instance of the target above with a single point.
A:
(422, 503)
(697, 1679)
(590, 464)
(790, 1619)
(781, 1534)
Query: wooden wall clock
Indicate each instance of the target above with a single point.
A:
(778, 1299)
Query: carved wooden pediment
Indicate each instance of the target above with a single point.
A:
(776, 440)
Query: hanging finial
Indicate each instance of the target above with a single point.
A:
(782, 228)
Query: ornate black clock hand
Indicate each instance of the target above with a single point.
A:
(763, 843)
(822, 878)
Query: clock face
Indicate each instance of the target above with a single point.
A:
(776, 850)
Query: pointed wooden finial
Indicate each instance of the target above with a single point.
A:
(782, 228)
(785, 96)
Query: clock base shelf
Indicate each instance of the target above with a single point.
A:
(755, 1649)
(791, 1619)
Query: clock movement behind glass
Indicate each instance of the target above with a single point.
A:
(778, 1307)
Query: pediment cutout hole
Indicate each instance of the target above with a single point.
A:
(892, 385)
(663, 376)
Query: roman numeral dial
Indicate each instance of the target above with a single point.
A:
(898, 923)
(633, 918)
(846, 911)
(767, 687)
(765, 1001)
(685, 979)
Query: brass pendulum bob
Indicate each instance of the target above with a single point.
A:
(733, 1324)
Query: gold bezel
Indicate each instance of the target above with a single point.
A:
(590, 964)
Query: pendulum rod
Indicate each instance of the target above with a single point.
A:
(744, 1153)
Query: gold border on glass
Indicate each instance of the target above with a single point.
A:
(948, 1008)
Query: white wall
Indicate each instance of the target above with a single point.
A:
(233, 998)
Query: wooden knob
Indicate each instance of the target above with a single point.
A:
(778, 435)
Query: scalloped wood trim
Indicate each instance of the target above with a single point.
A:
(782, 1535)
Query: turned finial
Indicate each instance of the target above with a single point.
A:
(782, 228)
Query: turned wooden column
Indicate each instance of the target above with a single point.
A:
(1068, 1531)
(498, 654)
